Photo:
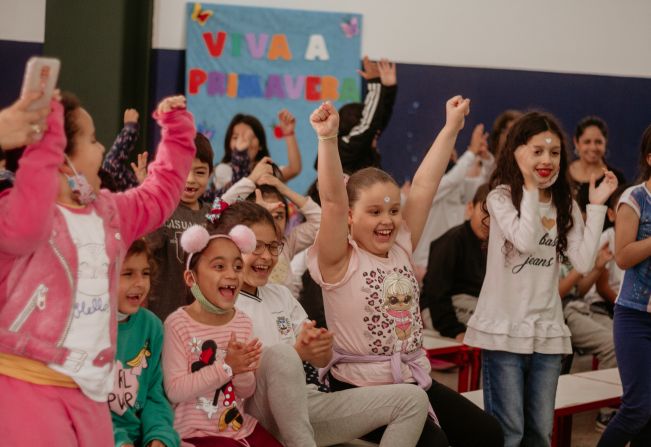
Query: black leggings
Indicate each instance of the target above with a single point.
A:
(463, 424)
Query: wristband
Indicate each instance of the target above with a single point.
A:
(330, 137)
(290, 134)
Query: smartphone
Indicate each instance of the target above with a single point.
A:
(41, 75)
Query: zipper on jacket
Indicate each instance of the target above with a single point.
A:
(66, 267)
(37, 300)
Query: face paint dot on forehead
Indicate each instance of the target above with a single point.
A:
(548, 140)
(387, 199)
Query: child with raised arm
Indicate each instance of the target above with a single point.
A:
(518, 322)
(300, 415)
(632, 320)
(209, 356)
(141, 414)
(362, 258)
(60, 266)
(124, 176)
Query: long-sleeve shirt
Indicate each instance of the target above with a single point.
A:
(139, 407)
(208, 400)
(116, 161)
(519, 308)
(449, 204)
(456, 265)
(356, 149)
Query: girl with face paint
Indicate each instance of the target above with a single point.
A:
(518, 323)
(62, 240)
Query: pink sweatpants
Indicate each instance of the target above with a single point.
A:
(32, 415)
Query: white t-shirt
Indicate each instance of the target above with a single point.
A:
(88, 333)
(277, 316)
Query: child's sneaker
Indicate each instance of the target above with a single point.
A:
(603, 418)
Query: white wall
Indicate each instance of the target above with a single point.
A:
(22, 20)
(577, 36)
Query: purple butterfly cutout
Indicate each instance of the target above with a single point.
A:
(350, 28)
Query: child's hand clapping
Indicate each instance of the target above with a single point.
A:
(170, 103)
(314, 344)
(456, 110)
(599, 195)
(243, 357)
(325, 120)
(604, 255)
(287, 122)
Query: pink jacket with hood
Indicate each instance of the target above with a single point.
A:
(38, 259)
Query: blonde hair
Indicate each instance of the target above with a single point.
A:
(396, 284)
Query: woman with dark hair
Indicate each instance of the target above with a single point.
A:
(590, 141)
(245, 144)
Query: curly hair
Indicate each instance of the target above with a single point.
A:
(507, 173)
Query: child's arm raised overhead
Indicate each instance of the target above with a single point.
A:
(146, 207)
(332, 240)
(294, 163)
(115, 161)
(429, 173)
(27, 209)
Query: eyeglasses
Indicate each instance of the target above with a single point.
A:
(275, 248)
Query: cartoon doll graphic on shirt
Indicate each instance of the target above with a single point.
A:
(398, 299)
(230, 416)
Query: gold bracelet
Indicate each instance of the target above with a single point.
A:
(328, 137)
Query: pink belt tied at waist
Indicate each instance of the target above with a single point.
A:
(423, 379)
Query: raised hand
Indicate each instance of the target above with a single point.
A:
(456, 110)
(599, 195)
(387, 71)
(287, 122)
(140, 169)
(130, 116)
(243, 357)
(170, 103)
(370, 69)
(325, 120)
(263, 167)
(20, 127)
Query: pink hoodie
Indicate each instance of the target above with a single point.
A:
(38, 259)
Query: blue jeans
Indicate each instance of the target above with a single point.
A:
(632, 334)
(520, 391)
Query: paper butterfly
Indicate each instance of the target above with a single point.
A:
(350, 28)
(200, 15)
(206, 130)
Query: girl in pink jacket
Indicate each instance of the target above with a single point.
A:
(62, 240)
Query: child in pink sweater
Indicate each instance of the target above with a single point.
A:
(208, 364)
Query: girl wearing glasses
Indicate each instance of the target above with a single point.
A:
(295, 413)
